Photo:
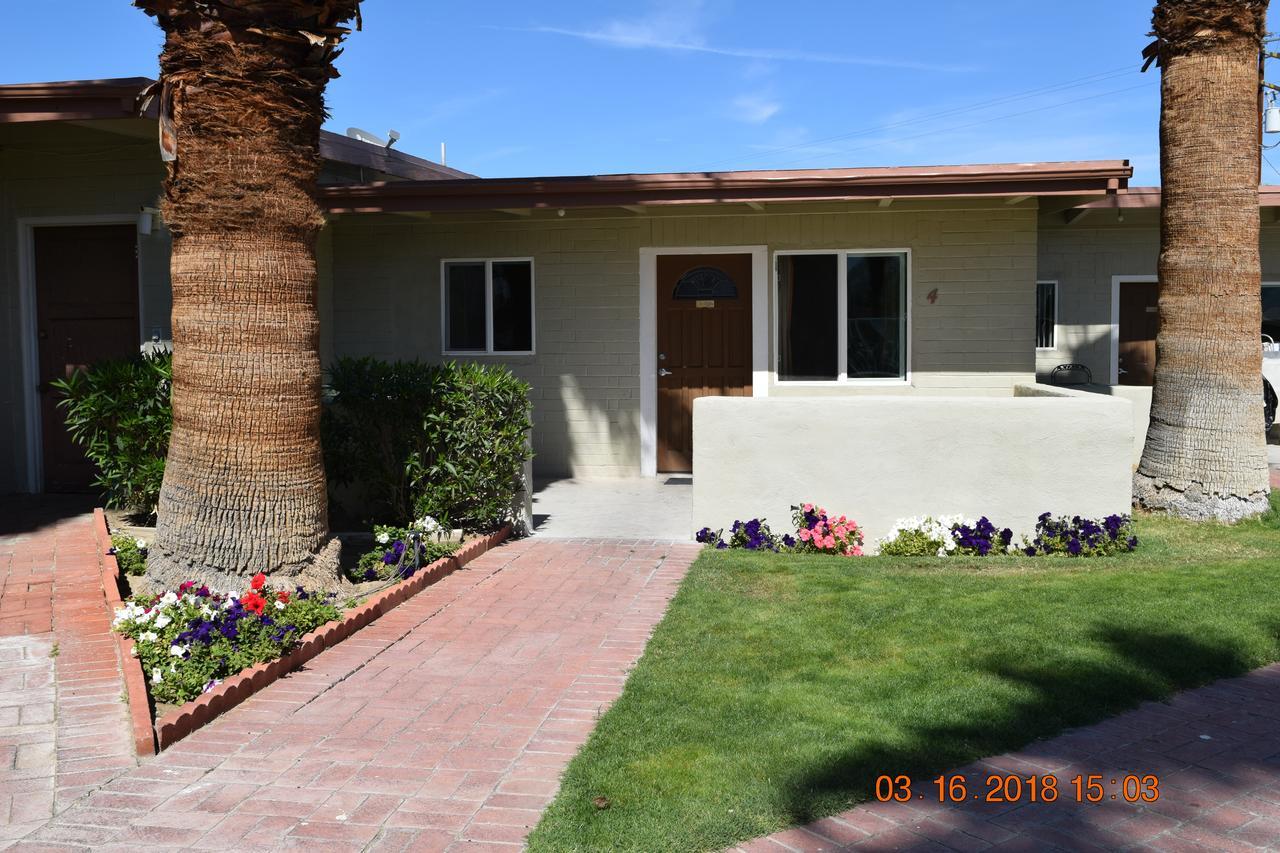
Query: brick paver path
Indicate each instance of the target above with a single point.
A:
(1216, 752)
(63, 726)
(443, 725)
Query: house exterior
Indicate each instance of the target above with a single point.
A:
(621, 299)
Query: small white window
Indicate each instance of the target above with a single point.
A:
(1046, 314)
(487, 306)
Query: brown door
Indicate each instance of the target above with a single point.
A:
(86, 311)
(704, 343)
(1139, 323)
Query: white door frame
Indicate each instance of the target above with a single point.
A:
(30, 345)
(1116, 281)
(649, 335)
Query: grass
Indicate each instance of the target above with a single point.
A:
(778, 687)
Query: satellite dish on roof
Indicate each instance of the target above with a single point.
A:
(373, 139)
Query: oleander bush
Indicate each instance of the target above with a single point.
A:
(121, 414)
(404, 440)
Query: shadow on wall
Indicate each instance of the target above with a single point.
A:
(575, 430)
(1065, 691)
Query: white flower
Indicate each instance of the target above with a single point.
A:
(133, 651)
(178, 651)
(157, 675)
(141, 543)
(206, 611)
(427, 524)
(162, 620)
(383, 538)
(280, 605)
(168, 598)
(148, 637)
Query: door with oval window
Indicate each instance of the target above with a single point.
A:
(704, 343)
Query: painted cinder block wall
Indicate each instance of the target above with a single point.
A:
(1083, 257)
(975, 335)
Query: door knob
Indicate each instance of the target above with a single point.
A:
(662, 371)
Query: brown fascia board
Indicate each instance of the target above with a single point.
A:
(1149, 197)
(1080, 178)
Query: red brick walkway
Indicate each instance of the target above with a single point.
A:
(63, 726)
(444, 725)
(1216, 752)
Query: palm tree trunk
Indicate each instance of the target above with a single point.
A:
(1205, 455)
(244, 485)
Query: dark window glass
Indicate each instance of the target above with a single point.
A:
(1271, 312)
(808, 338)
(877, 314)
(705, 283)
(464, 307)
(1046, 313)
(512, 306)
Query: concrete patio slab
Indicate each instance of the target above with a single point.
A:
(643, 508)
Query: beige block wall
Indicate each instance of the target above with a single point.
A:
(1083, 257)
(65, 170)
(977, 334)
(1009, 458)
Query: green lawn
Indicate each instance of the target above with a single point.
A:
(777, 687)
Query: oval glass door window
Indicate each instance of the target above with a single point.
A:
(705, 283)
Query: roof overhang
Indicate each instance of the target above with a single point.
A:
(1008, 180)
(1149, 197)
(88, 100)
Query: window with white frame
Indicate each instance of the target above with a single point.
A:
(487, 306)
(842, 315)
(1271, 309)
(1046, 314)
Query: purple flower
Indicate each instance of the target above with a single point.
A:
(369, 575)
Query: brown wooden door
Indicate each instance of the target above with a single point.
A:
(704, 343)
(1139, 323)
(86, 311)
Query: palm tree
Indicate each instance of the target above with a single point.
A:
(242, 104)
(1205, 455)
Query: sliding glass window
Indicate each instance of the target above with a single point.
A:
(842, 316)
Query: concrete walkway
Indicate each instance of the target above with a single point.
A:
(1215, 752)
(445, 725)
(643, 507)
(63, 727)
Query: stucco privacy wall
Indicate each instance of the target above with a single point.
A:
(878, 459)
(1084, 257)
(975, 333)
(62, 170)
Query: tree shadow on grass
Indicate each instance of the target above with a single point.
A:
(1066, 692)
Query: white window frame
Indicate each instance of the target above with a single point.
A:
(1275, 284)
(842, 325)
(1056, 289)
(488, 307)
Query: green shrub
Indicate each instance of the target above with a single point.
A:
(407, 439)
(130, 553)
(120, 413)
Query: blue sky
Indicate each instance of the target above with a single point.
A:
(519, 88)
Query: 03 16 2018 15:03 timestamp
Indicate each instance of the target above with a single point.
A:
(1014, 788)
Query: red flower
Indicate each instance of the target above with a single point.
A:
(253, 602)
(259, 581)
(283, 595)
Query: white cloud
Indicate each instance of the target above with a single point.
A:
(754, 109)
(677, 26)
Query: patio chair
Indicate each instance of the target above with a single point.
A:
(1071, 374)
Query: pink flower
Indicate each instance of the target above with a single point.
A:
(807, 507)
(804, 535)
(829, 542)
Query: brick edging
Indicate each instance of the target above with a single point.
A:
(184, 720)
(135, 683)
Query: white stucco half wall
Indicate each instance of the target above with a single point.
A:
(878, 459)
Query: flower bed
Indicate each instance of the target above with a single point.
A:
(190, 640)
(927, 536)
(207, 704)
